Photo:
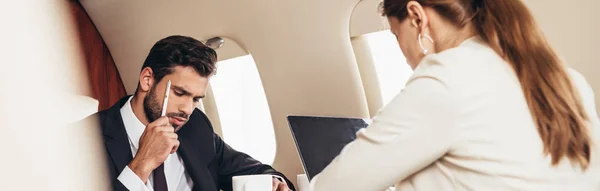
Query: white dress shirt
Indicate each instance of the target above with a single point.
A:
(177, 177)
(461, 123)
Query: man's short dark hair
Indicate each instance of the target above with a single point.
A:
(179, 50)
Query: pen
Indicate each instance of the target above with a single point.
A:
(164, 107)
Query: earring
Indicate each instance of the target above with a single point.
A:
(425, 51)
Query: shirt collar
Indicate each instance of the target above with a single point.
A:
(133, 125)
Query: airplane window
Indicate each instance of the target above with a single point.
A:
(390, 64)
(243, 109)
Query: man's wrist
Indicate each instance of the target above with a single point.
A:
(141, 170)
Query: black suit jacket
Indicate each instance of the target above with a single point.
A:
(209, 161)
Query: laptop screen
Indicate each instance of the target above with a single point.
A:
(320, 139)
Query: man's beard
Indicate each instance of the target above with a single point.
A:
(152, 108)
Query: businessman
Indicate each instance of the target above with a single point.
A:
(180, 151)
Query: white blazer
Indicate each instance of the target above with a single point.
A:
(461, 123)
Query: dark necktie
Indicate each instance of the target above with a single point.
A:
(160, 181)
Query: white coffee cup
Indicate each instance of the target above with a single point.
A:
(303, 183)
(262, 182)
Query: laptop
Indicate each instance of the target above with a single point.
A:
(320, 139)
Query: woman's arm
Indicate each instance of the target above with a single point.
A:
(410, 133)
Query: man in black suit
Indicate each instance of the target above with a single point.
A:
(179, 151)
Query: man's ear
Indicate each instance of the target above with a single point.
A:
(416, 14)
(146, 79)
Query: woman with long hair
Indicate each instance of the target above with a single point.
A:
(489, 107)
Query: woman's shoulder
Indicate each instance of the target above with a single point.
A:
(472, 59)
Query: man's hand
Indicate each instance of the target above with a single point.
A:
(279, 186)
(157, 142)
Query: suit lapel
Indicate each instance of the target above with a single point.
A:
(115, 136)
(196, 148)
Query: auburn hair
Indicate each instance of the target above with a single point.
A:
(510, 29)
